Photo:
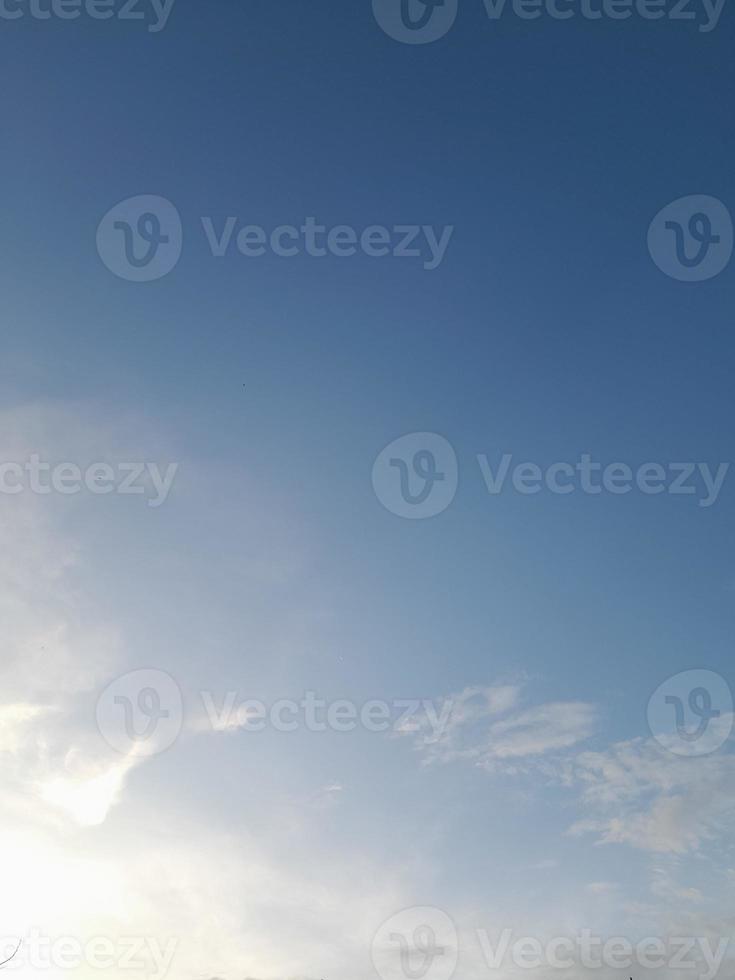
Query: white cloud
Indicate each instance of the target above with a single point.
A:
(642, 795)
(88, 791)
(238, 903)
(543, 729)
(486, 728)
(15, 723)
(601, 887)
(57, 648)
(665, 887)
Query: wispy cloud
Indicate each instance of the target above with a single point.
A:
(488, 727)
(640, 794)
(601, 887)
(57, 647)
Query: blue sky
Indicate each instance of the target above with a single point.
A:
(547, 621)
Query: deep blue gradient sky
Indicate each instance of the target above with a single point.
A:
(547, 332)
